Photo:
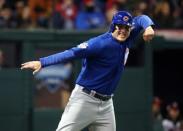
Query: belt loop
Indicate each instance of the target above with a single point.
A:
(79, 87)
(92, 93)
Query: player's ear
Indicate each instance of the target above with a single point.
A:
(116, 27)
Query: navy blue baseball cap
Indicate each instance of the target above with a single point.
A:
(121, 18)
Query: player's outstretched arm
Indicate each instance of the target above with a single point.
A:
(34, 65)
(148, 34)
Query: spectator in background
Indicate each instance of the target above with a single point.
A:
(2, 61)
(157, 116)
(120, 4)
(163, 13)
(42, 20)
(172, 122)
(111, 9)
(6, 18)
(40, 11)
(181, 126)
(151, 5)
(11, 3)
(140, 8)
(112, 6)
(22, 15)
(65, 14)
(90, 17)
(156, 108)
(178, 15)
(101, 4)
(2, 3)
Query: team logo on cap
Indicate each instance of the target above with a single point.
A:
(125, 18)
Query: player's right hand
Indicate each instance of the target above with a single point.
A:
(34, 65)
(148, 34)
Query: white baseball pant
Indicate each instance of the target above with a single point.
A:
(84, 110)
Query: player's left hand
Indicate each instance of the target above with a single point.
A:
(34, 65)
(148, 34)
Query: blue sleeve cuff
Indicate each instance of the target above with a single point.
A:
(42, 62)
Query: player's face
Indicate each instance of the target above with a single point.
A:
(121, 32)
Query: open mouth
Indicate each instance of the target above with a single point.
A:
(122, 35)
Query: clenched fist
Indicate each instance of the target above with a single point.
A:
(148, 34)
(34, 65)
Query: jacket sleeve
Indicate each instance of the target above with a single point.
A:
(83, 50)
(143, 21)
(140, 23)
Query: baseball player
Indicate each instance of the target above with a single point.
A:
(103, 61)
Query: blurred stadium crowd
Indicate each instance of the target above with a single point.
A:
(166, 116)
(85, 14)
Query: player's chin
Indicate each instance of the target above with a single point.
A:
(121, 39)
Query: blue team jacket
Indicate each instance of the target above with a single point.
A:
(102, 56)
